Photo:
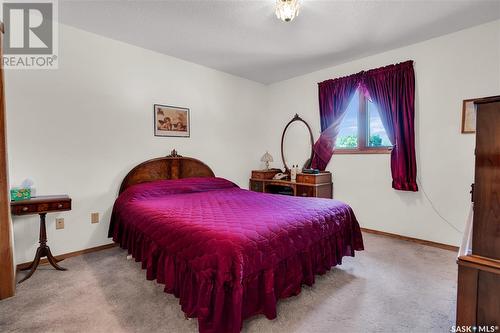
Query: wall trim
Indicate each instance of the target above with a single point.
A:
(70, 254)
(411, 239)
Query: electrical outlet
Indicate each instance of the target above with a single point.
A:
(94, 218)
(59, 223)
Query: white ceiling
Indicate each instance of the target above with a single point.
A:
(244, 38)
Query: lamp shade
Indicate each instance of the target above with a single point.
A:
(287, 10)
(266, 158)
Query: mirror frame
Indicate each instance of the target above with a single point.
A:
(309, 161)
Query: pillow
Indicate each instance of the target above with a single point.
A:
(176, 186)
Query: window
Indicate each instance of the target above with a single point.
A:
(361, 130)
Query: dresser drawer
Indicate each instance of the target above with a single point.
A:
(264, 174)
(324, 191)
(320, 178)
(305, 191)
(256, 186)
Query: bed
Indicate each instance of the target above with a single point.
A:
(225, 252)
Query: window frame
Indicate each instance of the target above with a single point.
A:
(363, 129)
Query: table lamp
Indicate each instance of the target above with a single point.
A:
(266, 158)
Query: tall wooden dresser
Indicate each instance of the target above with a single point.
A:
(478, 299)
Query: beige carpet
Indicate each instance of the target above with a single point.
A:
(392, 286)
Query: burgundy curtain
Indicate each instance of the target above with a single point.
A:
(334, 98)
(392, 89)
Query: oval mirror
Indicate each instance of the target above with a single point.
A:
(297, 144)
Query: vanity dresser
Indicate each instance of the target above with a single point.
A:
(306, 185)
(296, 149)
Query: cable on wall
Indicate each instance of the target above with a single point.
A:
(436, 210)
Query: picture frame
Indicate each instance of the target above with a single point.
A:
(469, 116)
(171, 121)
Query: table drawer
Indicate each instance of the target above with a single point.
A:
(24, 209)
(42, 207)
(64, 205)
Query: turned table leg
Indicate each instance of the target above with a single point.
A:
(42, 251)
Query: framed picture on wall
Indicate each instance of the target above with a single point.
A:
(171, 121)
(469, 116)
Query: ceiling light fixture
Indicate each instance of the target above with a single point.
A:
(287, 10)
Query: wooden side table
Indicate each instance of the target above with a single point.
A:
(41, 205)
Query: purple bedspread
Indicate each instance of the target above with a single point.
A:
(229, 253)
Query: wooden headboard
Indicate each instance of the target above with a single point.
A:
(173, 166)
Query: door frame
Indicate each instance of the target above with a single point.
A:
(7, 273)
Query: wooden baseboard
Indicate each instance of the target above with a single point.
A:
(70, 254)
(411, 239)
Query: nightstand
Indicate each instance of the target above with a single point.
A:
(41, 205)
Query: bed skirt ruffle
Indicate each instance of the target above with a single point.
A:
(221, 306)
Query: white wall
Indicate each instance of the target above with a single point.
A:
(448, 69)
(81, 128)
